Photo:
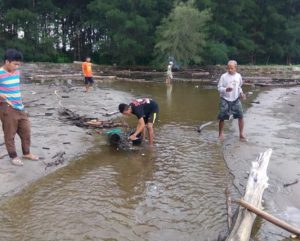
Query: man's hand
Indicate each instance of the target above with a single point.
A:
(132, 137)
(243, 96)
(229, 89)
(2, 97)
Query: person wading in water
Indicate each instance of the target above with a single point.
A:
(230, 89)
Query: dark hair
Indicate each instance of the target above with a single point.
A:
(123, 107)
(13, 55)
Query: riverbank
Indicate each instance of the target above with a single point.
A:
(271, 123)
(280, 75)
(50, 134)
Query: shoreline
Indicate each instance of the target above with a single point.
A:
(273, 123)
(50, 135)
(281, 75)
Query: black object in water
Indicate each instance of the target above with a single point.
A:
(114, 139)
(118, 138)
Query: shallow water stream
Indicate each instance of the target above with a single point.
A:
(174, 191)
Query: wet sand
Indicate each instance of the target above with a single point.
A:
(273, 123)
(51, 135)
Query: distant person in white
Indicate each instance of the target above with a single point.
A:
(230, 89)
(169, 73)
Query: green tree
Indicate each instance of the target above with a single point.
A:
(182, 35)
(127, 28)
(215, 52)
(289, 40)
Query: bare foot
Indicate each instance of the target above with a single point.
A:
(243, 138)
(31, 157)
(17, 161)
(221, 137)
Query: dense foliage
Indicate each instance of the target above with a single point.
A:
(147, 32)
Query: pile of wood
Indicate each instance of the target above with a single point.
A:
(87, 122)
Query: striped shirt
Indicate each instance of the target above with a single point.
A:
(10, 88)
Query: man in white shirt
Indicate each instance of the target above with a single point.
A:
(230, 89)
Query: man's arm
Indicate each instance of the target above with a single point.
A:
(140, 127)
(221, 88)
(241, 93)
(83, 68)
(3, 99)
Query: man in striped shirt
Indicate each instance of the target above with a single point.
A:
(12, 114)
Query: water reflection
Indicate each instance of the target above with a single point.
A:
(169, 88)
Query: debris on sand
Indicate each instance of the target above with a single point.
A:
(87, 122)
(58, 159)
(289, 184)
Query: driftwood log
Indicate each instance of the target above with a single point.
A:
(228, 204)
(199, 128)
(257, 183)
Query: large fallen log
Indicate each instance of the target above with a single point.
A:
(257, 183)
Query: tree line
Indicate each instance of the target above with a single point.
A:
(152, 32)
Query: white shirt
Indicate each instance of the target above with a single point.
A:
(230, 80)
(169, 71)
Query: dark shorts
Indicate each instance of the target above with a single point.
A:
(228, 108)
(151, 118)
(88, 80)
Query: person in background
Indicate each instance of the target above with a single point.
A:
(88, 74)
(230, 89)
(146, 110)
(12, 113)
(169, 73)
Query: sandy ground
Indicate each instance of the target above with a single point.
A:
(272, 123)
(51, 135)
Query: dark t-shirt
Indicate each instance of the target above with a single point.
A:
(143, 107)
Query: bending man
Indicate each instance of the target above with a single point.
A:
(146, 110)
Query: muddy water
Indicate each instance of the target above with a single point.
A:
(174, 191)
